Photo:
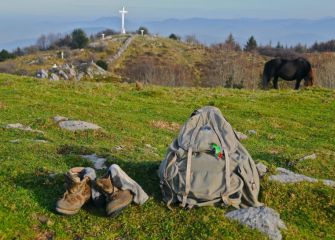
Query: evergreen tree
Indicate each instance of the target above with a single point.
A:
(231, 44)
(251, 44)
(79, 39)
(174, 37)
(4, 55)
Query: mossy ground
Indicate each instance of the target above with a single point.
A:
(289, 125)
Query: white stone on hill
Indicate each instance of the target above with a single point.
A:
(78, 125)
(265, 219)
(329, 183)
(59, 119)
(252, 132)
(309, 157)
(98, 162)
(262, 169)
(287, 176)
(241, 136)
(54, 77)
(22, 127)
(42, 74)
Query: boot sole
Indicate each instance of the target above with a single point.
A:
(66, 212)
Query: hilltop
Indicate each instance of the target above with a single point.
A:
(137, 126)
(164, 61)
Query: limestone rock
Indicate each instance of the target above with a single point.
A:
(329, 183)
(98, 162)
(80, 76)
(59, 119)
(78, 125)
(252, 132)
(265, 219)
(22, 127)
(54, 77)
(308, 157)
(262, 169)
(42, 73)
(63, 75)
(241, 136)
(287, 176)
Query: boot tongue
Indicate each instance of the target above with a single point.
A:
(106, 185)
(74, 177)
(75, 174)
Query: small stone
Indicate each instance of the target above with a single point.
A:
(15, 141)
(59, 119)
(54, 77)
(252, 132)
(98, 162)
(80, 76)
(22, 127)
(63, 75)
(287, 176)
(262, 169)
(329, 183)
(78, 125)
(309, 157)
(241, 136)
(118, 148)
(264, 219)
(42, 73)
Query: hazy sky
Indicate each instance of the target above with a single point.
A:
(159, 9)
(27, 19)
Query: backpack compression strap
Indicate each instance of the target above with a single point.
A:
(225, 195)
(187, 177)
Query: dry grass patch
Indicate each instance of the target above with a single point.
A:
(172, 126)
(2, 106)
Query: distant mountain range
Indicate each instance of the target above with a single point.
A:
(286, 31)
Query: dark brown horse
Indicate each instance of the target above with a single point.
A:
(289, 70)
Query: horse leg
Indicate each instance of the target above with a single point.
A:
(275, 82)
(297, 84)
(266, 80)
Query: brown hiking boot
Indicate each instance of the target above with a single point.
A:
(77, 194)
(116, 199)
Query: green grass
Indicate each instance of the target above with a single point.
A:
(289, 125)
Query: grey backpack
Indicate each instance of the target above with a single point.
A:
(207, 165)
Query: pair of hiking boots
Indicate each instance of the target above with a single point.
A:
(79, 191)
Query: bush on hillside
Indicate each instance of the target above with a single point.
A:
(103, 64)
(251, 45)
(79, 39)
(174, 37)
(4, 55)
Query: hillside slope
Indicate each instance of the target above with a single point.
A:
(167, 62)
(289, 125)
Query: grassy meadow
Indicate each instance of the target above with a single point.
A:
(289, 125)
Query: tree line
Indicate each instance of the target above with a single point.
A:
(79, 39)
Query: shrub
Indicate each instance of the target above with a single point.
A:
(79, 39)
(174, 37)
(103, 64)
(4, 55)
